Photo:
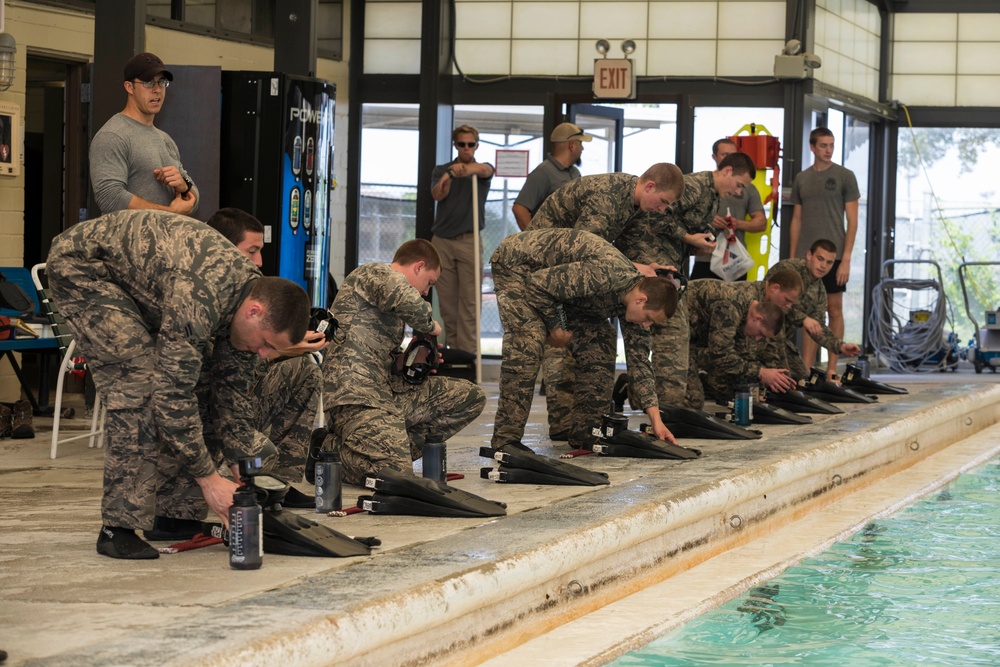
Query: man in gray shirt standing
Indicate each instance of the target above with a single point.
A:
(823, 195)
(458, 285)
(558, 169)
(134, 165)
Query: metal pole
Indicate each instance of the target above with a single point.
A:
(479, 277)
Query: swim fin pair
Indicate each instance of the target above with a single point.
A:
(819, 386)
(796, 400)
(690, 423)
(399, 493)
(525, 467)
(634, 445)
(852, 378)
(294, 535)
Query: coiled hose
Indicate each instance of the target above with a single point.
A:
(908, 347)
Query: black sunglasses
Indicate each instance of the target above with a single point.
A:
(466, 144)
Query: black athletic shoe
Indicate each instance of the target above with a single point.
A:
(123, 543)
(168, 529)
(312, 455)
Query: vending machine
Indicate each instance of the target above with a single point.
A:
(277, 161)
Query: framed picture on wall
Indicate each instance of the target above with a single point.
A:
(10, 139)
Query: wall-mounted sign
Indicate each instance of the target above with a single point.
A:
(614, 78)
(511, 164)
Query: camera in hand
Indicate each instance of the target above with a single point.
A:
(321, 321)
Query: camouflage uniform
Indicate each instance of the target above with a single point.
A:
(145, 293)
(573, 280)
(659, 238)
(812, 304)
(717, 312)
(284, 398)
(379, 419)
(601, 204)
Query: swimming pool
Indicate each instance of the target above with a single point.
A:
(915, 588)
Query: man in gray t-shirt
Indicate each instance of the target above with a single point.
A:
(557, 170)
(822, 196)
(134, 165)
(458, 285)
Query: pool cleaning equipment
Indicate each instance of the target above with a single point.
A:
(984, 348)
(919, 343)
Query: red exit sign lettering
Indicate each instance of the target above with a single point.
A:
(614, 78)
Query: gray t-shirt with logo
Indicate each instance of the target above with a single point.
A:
(822, 195)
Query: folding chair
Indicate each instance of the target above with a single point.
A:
(62, 334)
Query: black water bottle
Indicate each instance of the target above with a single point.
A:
(435, 460)
(329, 471)
(246, 531)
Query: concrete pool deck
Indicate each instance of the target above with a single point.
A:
(445, 591)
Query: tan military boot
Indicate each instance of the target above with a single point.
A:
(22, 420)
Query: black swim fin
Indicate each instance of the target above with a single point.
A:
(642, 446)
(766, 413)
(819, 386)
(294, 535)
(852, 378)
(520, 467)
(688, 423)
(399, 493)
(798, 401)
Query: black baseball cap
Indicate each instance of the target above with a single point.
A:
(145, 66)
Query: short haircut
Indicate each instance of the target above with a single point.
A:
(417, 250)
(741, 164)
(823, 244)
(817, 133)
(666, 177)
(788, 280)
(286, 305)
(723, 140)
(660, 295)
(464, 129)
(235, 224)
(774, 317)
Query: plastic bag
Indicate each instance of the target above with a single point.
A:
(730, 259)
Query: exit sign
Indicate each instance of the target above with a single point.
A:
(614, 78)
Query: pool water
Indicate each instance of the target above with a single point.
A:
(919, 588)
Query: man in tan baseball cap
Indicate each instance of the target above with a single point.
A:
(557, 170)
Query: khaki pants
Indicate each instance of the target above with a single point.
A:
(458, 290)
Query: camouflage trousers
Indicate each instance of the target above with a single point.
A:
(393, 435)
(670, 359)
(793, 359)
(121, 354)
(286, 402)
(593, 349)
(559, 375)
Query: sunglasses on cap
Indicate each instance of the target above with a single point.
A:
(466, 144)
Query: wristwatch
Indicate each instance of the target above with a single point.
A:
(189, 182)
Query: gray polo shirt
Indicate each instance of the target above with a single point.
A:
(545, 179)
(454, 212)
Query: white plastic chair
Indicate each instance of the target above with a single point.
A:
(61, 333)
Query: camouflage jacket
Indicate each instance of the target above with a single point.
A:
(373, 307)
(187, 282)
(603, 204)
(567, 275)
(717, 312)
(812, 304)
(659, 237)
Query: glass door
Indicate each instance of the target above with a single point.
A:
(607, 126)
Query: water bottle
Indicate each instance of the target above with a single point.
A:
(435, 460)
(329, 471)
(246, 531)
(862, 365)
(741, 405)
